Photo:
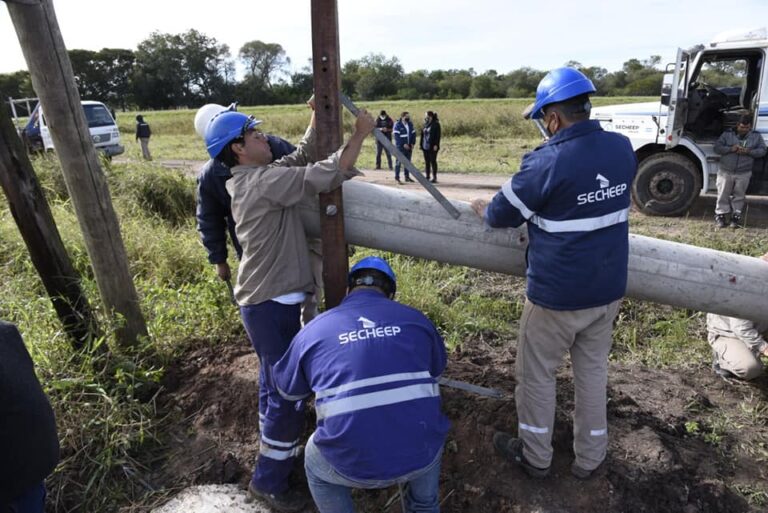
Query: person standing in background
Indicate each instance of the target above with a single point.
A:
(143, 133)
(384, 124)
(430, 143)
(405, 138)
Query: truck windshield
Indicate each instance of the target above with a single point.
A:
(97, 115)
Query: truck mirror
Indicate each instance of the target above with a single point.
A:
(666, 88)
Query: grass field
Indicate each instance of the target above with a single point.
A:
(479, 136)
(108, 420)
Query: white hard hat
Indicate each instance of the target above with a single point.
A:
(206, 113)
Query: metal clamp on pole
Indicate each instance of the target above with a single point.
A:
(447, 205)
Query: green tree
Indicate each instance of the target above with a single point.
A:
(377, 76)
(174, 70)
(104, 75)
(263, 61)
(487, 85)
(16, 85)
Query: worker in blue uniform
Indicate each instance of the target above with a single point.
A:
(573, 192)
(373, 365)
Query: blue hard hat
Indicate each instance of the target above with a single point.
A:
(225, 128)
(559, 85)
(377, 264)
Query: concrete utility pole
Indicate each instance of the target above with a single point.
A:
(48, 62)
(35, 221)
(327, 77)
(660, 271)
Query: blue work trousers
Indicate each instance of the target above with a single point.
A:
(31, 501)
(271, 326)
(331, 491)
(407, 154)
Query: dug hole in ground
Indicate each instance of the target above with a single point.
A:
(666, 453)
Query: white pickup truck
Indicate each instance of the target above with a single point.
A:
(101, 125)
(704, 93)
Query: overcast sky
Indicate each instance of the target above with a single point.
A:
(424, 34)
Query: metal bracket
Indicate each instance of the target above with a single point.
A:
(447, 205)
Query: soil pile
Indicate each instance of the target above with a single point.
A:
(666, 453)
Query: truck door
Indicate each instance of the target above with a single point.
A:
(678, 100)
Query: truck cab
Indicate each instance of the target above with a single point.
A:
(704, 93)
(101, 125)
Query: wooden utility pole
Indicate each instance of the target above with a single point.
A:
(327, 76)
(52, 78)
(35, 221)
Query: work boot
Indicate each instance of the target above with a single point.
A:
(511, 449)
(720, 220)
(736, 220)
(289, 501)
(723, 373)
(584, 474)
(408, 179)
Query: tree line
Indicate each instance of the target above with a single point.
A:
(186, 70)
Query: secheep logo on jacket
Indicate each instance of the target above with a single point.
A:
(368, 329)
(603, 192)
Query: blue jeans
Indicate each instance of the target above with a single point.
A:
(407, 154)
(331, 491)
(31, 501)
(271, 326)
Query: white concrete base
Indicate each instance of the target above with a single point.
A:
(212, 499)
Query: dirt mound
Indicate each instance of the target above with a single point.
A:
(666, 451)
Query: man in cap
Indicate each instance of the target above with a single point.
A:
(738, 152)
(372, 364)
(573, 193)
(275, 274)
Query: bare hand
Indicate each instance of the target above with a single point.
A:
(364, 124)
(407, 146)
(735, 148)
(479, 206)
(222, 270)
(765, 257)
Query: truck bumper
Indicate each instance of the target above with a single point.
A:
(112, 150)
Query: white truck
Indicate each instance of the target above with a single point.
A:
(706, 92)
(101, 125)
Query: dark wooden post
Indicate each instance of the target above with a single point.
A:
(52, 78)
(327, 75)
(35, 221)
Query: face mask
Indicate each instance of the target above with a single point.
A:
(406, 119)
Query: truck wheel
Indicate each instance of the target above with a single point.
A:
(666, 185)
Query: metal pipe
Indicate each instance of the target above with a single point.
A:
(665, 272)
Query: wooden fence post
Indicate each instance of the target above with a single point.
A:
(53, 80)
(327, 77)
(38, 228)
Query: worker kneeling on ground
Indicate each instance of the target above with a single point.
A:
(737, 345)
(373, 365)
(573, 193)
(275, 274)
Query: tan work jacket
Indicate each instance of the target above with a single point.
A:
(264, 206)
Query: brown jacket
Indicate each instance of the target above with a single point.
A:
(275, 253)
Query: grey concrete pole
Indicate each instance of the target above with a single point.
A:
(660, 271)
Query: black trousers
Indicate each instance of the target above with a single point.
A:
(430, 162)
